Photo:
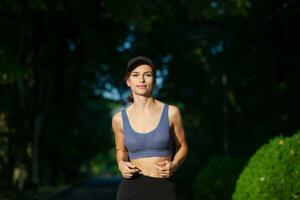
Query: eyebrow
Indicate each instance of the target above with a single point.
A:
(144, 72)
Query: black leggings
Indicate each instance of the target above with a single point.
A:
(141, 187)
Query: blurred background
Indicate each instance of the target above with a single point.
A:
(232, 67)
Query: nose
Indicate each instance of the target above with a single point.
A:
(142, 79)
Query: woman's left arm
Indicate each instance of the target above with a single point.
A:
(181, 143)
(179, 133)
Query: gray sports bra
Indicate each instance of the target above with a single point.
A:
(156, 143)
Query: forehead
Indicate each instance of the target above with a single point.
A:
(142, 68)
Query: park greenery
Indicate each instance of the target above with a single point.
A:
(273, 172)
(230, 66)
(218, 177)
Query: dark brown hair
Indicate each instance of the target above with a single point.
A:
(134, 63)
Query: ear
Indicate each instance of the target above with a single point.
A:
(128, 82)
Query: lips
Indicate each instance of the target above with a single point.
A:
(141, 86)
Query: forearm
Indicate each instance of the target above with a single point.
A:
(121, 155)
(180, 155)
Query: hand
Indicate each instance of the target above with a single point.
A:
(127, 169)
(166, 168)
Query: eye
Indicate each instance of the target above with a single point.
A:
(149, 75)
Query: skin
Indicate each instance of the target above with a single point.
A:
(147, 109)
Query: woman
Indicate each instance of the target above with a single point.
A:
(145, 132)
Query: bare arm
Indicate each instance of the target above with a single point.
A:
(126, 168)
(179, 133)
(167, 168)
(117, 126)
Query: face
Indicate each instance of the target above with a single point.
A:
(141, 80)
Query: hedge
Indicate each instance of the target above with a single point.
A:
(273, 172)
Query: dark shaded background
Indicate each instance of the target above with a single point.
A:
(232, 67)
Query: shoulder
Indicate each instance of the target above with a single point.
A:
(117, 120)
(174, 114)
(173, 110)
(175, 118)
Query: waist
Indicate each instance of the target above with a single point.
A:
(147, 165)
(153, 179)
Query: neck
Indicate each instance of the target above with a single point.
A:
(143, 103)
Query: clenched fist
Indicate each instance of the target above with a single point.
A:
(166, 168)
(127, 169)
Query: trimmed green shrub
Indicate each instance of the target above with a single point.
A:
(273, 172)
(217, 179)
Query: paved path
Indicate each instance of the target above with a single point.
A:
(90, 189)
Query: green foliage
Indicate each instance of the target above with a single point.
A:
(145, 14)
(9, 70)
(103, 164)
(273, 172)
(82, 137)
(18, 6)
(216, 180)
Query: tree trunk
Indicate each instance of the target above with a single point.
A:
(38, 125)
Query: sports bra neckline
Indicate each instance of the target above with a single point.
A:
(149, 132)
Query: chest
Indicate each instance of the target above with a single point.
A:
(144, 123)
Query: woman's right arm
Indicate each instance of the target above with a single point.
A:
(126, 168)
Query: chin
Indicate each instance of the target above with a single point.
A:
(145, 94)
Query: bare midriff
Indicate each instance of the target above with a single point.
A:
(147, 165)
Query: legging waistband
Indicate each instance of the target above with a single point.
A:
(149, 178)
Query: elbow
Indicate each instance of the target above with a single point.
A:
(186, 149)
(183, 147)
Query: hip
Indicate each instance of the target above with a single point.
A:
(146, 187)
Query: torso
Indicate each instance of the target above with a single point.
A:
(147, 164)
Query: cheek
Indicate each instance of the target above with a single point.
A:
(153, 83)
(150, 79)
